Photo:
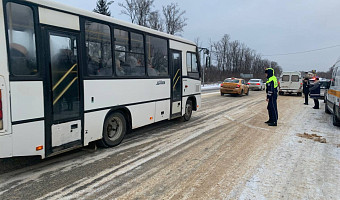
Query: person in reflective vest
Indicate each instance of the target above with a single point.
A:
(271, 90)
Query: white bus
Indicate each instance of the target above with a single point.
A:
(69, 77)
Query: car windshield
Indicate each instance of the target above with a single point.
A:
(231, 80)
(254, 80)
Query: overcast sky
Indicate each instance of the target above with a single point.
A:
(267, 26)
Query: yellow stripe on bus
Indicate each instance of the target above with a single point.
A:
(175, 75)
(334, 93)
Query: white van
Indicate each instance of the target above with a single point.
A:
(333, 97)
(290, 82)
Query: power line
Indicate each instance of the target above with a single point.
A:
(300, 52)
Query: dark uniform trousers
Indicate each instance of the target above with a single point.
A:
(306, 98)
(272, 109)
(316, 103)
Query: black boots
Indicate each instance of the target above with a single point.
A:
(272, 124)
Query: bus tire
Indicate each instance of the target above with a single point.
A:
(114, 130)
(336, 121)
(188, 111)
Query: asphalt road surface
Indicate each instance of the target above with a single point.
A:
(224, 152)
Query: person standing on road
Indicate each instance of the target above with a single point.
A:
(315, 93)
(271, 89)
(306, 90)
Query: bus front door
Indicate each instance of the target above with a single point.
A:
(63, 121)
(176, 83)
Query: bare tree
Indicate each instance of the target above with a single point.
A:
(174, 19)
(102, 7)
(234, 47)
(137, 10)
(198, 42)
(155, 21)
(129, 9)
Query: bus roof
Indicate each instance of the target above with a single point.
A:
(80, 12)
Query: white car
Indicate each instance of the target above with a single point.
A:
(256, 84)
(324, 86)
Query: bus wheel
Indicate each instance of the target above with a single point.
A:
(188, 111)
(114, 130)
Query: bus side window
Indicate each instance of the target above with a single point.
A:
(98, 47)
(157, 56)
(129, 50)
(21, 36)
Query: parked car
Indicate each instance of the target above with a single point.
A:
(234, 86)
(256, 84)
(290, 82)
(333, 97)
(324, 86)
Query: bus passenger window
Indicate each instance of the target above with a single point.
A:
(157, 54)
(21, 37)
(129, 51)
(98, 46)
(134, 65)
(121, 40)
(137, 44)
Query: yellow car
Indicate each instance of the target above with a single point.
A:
(234, 86)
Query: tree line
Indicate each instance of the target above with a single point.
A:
(233, 58)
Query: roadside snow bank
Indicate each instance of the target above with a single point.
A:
(210, 86)
(301, 167)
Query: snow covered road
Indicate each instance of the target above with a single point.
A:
(224, 152)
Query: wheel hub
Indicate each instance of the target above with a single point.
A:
(114, 128)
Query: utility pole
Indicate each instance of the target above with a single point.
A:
(204, 59)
